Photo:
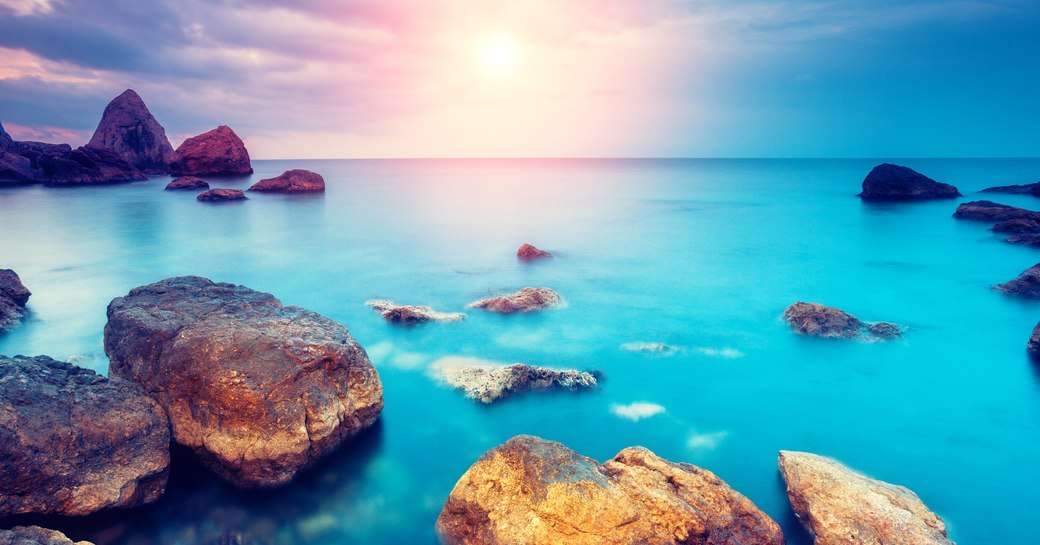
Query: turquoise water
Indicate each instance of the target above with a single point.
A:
(704, 254)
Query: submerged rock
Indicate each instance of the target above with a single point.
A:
(73, 442)
(217, 152)
(539, 492)
(995, 212)
(488, 381)
(292, 181)
(222, 194)
(401, 314)
(35, 535)
(1026, 189)
(1018, 226)
(528, 253)
(1025, 239)
(888, 182)
(130, 130)
(1026, 285)
(822, 321)
(841, 507)
(525, 300)
(13, 298)
(256, 389)
(651, 347)
(1034, 340)
(187, 182)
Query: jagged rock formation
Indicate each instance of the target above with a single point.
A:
(128, 128)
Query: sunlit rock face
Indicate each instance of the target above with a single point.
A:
(128, 128)
(217, 152)
(256, 389)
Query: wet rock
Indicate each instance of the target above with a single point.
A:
(35, 535)
(13, 298)
(15, 169)
(58, 164)
(217, 152)
(130, 130)
(292, 181)
(221, 194)
(402, 314)
(822, 321)
(187, 182)
(528, 253)
(993, 212)
(1025, 239)
(1026, 285)
(73, 442)
(538, 492)
(525, 300)
(888, 182)
(488, 381)
(1018, 226)
(1034, 340)
(841, 507)
(256, 389)
(651, 348)
(885, 330)
(1026, 189)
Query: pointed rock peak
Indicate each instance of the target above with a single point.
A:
(128, 96)
(130, 130)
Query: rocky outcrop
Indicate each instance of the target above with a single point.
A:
(1025, 239)
(292, 181)
(59, 164)
(994, 212)
(1033, 345)
(15, 169)
(525, 300)
(256, 389)
(222, 194)
(402, 314)
(529, 253)
(888, 182)
(73, 442)
(1018, 226)
(539, 492)
(35, 535)
(186, 183)
(13, 298)
(487, 381)
(217, 152)
(841, 507)
(1026, 189)
(822, 321)
(1026, 285)
(130, 130)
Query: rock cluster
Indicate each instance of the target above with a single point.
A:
(59, 164)
(409, 314)
(217, 152)
(13, 298)
(128, 128)
(888, 182)
(487, 382)
(1025, 285)
(529, 253)
(822, 321)
(292, 181)
(994, 212)
(73, 442)
(525, 300)
(256, 389)
(186, 183)
(1026, 189)
(34, 535)
(222, 194)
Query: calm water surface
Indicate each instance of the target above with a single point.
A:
(704, 254)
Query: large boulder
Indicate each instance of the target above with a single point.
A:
(1025, 189)
(13, 298)
(841, 507)
(73, 442)
(817, 320)
(256, 389)
(525, 300)
(217, 152)
(489, 381)
(35, 535)
(1025, 285)
(130, 130)
(994, 212)
(539, 492)
(888, 182)
(292, 181)
(221, 194)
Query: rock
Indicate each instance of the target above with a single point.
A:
(525, 300)
(1018, 226)
(653, 348)
(73, 442)
(58, 164)
(1027, 189)
(528, 253)
(188, 182)
(841, 507)
(1025, 239)
(221, 194)
(217, 152)
(822, 321)
(6, 142)
(888, 182)
(257, 390)
(539, 492)
(292, 181)
(13, 298)
(1034, 340)
(15, 169)
(1026, 285)
(34, 535)
(412, 314)
(130, 130)
(994, 212)
(488, 381)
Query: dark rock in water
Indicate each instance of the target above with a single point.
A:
(528, 252)
(292, 181)
(822, 321)
(841, 507)
(1025, 239)
(217, 152)
(525, 300)
(187, 182)
(534, 491)
(410, 314)
(58, 164)
(35, 535)
(1016, 226)
(13, 298)
(15, 169)
(1026, 285)
(888, 182)
(256, 389)
(130, 130)
(487, 382)
(1027, 189)
(73, 442)
(995, 212)
(1034, 340)
(222, 194)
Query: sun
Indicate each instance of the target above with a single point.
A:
(500, 54)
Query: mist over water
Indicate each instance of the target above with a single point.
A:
(703, 255)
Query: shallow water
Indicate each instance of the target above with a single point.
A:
(704, 254)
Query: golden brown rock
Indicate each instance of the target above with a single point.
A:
(525, 300)
(35, 535)
(488, 381)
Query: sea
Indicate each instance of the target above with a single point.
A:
(702, 255)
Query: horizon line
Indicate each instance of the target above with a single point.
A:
(648, 158)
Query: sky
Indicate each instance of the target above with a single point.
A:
(538, 78)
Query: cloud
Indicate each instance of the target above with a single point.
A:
(636, 411)
(705, 441)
